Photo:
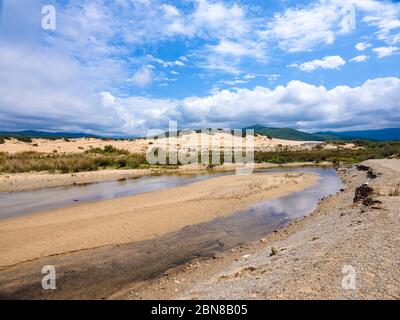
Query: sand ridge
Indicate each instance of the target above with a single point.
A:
(141, 145)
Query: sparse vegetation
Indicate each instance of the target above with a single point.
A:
(108, 149)
(369, 150)
(111, 157)
(65, 163)
(23, 139)
(16, 137)
(2, 141)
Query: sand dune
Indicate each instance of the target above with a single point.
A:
(187, 141)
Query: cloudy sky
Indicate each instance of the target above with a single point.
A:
(125, 66)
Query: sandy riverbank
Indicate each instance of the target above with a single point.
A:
(139, 217)
(13, 182)
(310, 253)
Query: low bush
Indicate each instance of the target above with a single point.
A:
(108, 149)
(369, 150)
(35, 161)
(111, 157)
(23, 139)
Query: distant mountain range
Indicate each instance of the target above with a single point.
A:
(283, 133)
(390, 134)
(46, 134)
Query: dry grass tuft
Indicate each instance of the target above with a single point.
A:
(395, 192)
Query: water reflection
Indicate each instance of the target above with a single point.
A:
(115, 266)
(266, 216)
(14, 204)
(298, 204)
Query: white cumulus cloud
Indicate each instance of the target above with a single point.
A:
(329, 62)
(360, 58)
(143, 77)
(303, 29)
(361, 46)
(382, 52)
(300, 105)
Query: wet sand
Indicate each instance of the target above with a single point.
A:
(310, 253)
(140, 217)
(14, 182)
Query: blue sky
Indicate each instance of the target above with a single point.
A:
(126, 66)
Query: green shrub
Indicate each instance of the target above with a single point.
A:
(369, 150)
(122, 163)
(110, 157)
(108, 149)
(23, 139)
(64, 163)
(135, 160)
